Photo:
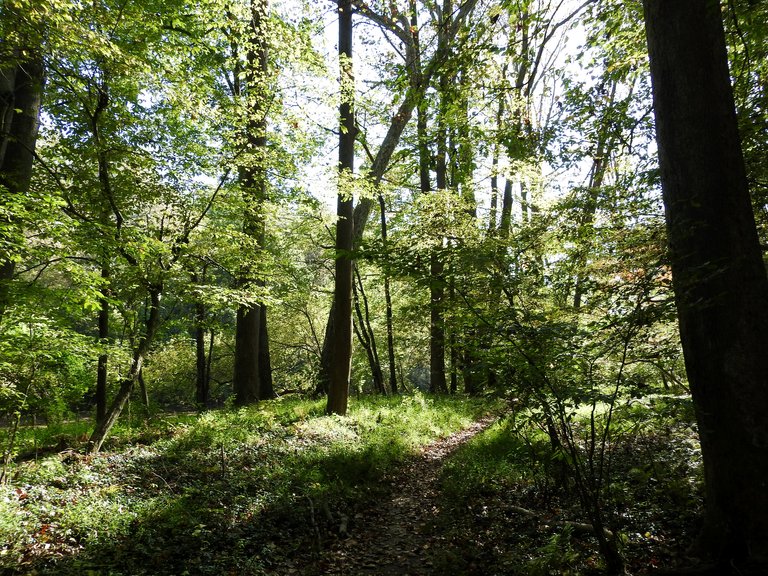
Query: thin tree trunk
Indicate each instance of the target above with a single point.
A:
(364, 317)
(144, 391)
(505, 224)
(201, 361)
(341, 359)
(266, 384)
(209, 361)
(719, 278)
(126, 386)
(102, 365)
(388, 299)
(596, 177)
(493, 216)
(364, 337)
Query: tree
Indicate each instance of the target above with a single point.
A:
(399, 25)
(341, 362)
(252, 380)
(21, 89)
(719, 278)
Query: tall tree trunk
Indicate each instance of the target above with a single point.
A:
(341, 359)
(21, 120)
(493, 215)
(253, 181)
(719, 277)
(437, 380)
(400, 119)
(126, 386)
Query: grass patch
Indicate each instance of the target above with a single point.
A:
(494, 460)
(240, 489)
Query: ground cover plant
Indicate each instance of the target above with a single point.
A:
(232, 491)
(513, 506)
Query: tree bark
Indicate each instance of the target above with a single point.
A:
(21, 120)
(245, 379)
(719, 277)
(341, 358)
(437, 380)
(253, 182)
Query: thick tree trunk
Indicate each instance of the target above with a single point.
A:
(341, 358)
(253, 182)
(20, 111)
(720, 283)
(7, 86)
(245, 379)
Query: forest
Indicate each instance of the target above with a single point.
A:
(457, 287)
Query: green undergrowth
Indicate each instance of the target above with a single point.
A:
(227, 490)
(510, 496)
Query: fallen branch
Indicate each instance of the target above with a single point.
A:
(578, 527)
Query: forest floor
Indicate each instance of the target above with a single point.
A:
(419, 526)
(408, 486)
(396, 535)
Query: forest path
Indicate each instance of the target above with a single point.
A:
(395, 536)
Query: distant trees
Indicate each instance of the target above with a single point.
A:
(720, 282)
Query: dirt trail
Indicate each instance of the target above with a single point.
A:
(394, 536)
